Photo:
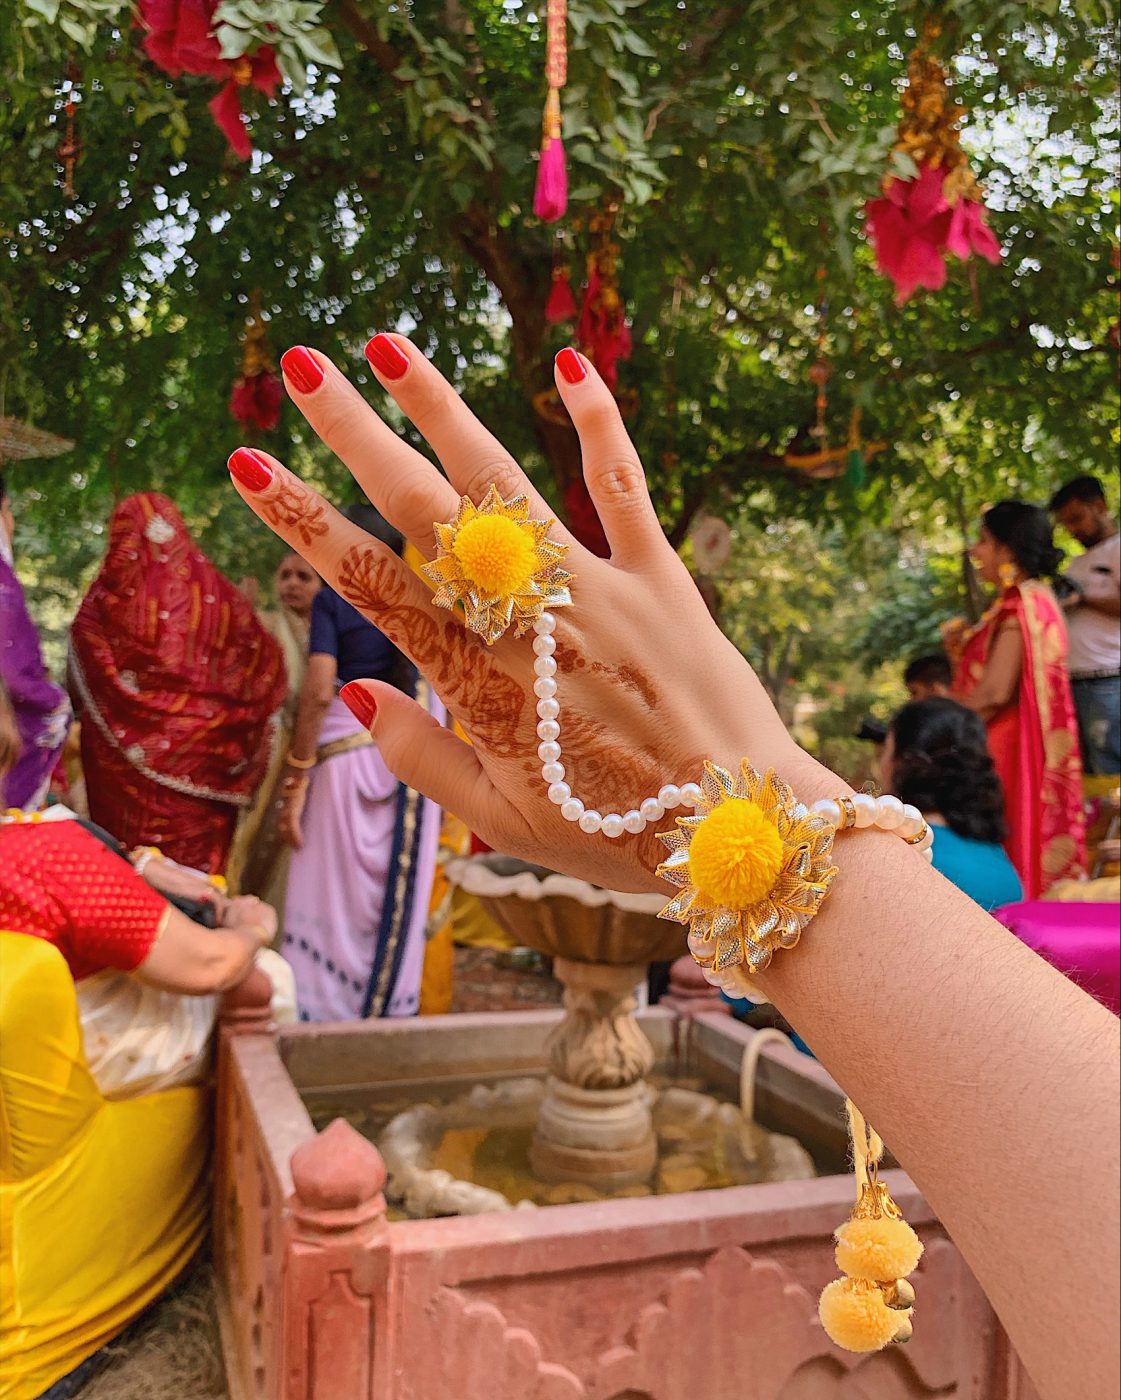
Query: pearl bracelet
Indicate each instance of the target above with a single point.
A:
(574, 809)
(861, 811)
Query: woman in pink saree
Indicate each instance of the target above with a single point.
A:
(1011, 669)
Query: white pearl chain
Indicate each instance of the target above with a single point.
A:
(888, 813)
(859, 810)
(650, 809)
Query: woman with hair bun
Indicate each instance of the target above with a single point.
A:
(1011, 670)
(936, 758)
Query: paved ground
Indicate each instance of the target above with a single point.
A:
(490, 980)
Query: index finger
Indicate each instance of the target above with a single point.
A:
(405, 487)
(360, 568)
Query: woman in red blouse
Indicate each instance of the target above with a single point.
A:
(59, 883)
(131, 954)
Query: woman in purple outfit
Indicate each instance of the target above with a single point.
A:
(364, 844)
(41, 709)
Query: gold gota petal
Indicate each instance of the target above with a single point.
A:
(721, 936)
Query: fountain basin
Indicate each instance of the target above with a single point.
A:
(704, 1296)
(567, 918)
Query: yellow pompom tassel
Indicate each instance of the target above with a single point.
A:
(880, 1249)
(856, 1316)
(877, 1249)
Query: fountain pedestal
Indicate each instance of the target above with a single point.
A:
(594, 1124)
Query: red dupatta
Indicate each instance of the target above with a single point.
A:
(172, 665)
(1034, 740)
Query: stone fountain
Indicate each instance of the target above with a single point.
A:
(594, 1123)
(328, 1290)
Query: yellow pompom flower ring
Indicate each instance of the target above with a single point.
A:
(753, 865)
(500, 564)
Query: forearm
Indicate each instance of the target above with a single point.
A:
(316, 694)
(231, 966)
(992, 1078)
(982, 704)
(196, 961)
(309, 725)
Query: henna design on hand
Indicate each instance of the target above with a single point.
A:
(295, 509)
(491, 703)
(468, 680)
(569, 660)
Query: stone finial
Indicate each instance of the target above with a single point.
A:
(249, 1003)
(690, 993)
(338, 1170)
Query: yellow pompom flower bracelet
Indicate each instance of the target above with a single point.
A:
(752, 865)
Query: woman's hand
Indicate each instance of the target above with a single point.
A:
(290, 811)
(247, 911)
(176, 883)
(647, 684)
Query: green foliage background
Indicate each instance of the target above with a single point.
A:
(395, 192)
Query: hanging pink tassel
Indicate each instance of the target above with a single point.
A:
(550, 198)
(561, 305)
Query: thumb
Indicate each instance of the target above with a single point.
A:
(426, 755)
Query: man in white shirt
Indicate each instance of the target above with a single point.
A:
(1093, 612)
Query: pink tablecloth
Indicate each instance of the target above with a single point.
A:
(1081, 940)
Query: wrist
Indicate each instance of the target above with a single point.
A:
(142, 857)
(809, 779)
(257, 934)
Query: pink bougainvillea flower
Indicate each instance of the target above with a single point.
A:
(909, 227)
(255, 401)
(180, 38)
(969, 233)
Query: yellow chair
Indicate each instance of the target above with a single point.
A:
(102, 1203)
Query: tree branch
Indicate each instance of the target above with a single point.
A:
(384, 54)
(679, 530)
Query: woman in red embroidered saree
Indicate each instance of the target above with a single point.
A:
(1011, 669)
(177, 683)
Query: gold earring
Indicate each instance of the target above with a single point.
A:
(1007, 573)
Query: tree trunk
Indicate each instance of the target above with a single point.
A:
(522, 278)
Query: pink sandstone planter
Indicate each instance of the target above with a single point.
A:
(709, 1296)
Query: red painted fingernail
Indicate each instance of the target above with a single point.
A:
(302, 368)
(571, 365)
(250, 468)
(359, 702)
(387, 357)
